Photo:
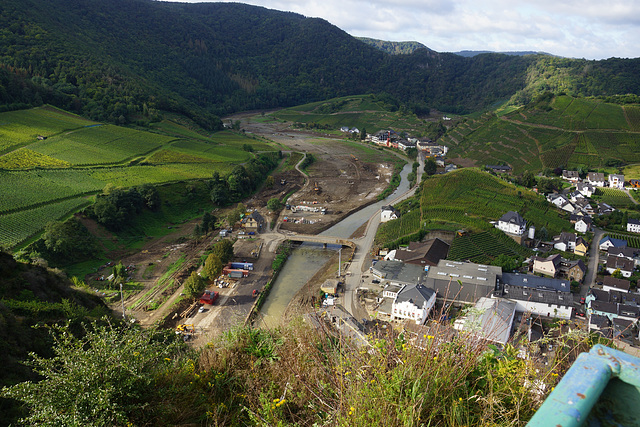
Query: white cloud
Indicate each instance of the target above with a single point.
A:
(573, 28)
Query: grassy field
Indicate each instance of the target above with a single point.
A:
(44, 180)
(362, 112)
(566, 132)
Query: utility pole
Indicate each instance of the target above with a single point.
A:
(122, 299)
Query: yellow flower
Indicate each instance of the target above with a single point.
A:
(460, 399)
(353, 409)
(430, 337)
(276, 400)
(280, 403)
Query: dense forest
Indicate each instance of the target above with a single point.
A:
(128, 60)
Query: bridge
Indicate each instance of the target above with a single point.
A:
(325, 240)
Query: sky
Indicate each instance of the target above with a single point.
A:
(591, 29)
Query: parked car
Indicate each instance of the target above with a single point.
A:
(201, 309)
(582, 300)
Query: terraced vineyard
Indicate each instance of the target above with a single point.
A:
(633, 240)
(469, 198)
(43, 180)
(484, 247)
(568, 132)
(408, 223)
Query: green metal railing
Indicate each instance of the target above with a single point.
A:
(602, 387)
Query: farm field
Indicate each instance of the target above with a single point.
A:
(483, 247)
(633, 240)
(615, 197)
(44, 180)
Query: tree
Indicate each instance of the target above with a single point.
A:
(363, 134)
(617, 274)
(507, 262)
(119, 273)
(194, 285)
(212, 267)
(269, 182)
(274, 204)
(430, 167)
(103, 378)
(69, 240)
(223, 250)
(247, 147)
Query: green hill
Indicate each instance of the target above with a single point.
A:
(46, 179)
(552, 131)
(393, 48)
(124, 61)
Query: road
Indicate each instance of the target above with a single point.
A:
(363, 247)
(594, 258)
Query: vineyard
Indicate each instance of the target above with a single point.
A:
(24, 126)
(472, 198)
(100, 145)
(483, 247)
(17, 227)
(615, 197)
(46, 179)
(567, 132)
(408, 223)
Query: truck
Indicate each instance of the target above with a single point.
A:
(242, 265)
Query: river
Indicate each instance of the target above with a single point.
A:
(307, 259)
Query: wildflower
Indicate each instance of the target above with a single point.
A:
(136, 353)
(460, 399)
(276, 400)
(435, 358)
(373, 381)
(430, 337)
(167, 359)
(425, 335)
(352, 408)
(280, 403)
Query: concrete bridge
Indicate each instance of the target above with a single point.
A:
(325, 240)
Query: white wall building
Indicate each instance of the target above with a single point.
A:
(512, 223)
(414, 302)
(633, 225)
(616, 181)
(387, 213)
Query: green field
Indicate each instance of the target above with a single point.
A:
(483, 247)
(44, 180)
(566, 132)
(362, 112)
(614, 197)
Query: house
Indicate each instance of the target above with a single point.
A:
(354, 130)
(582, 247)
(634, 183)
(414, 302)
(427, 253)
(462, 282)
(633, 225)
(490, 319)
(598, 322)
(613, 310)
(618, 263)
(612, 284)
(585, 189)
(398, 273)
(573, 270)
(344, 129)
(596, 179)
(565, 241)
(450, 168)
(583, 206)
(616, 181)
(576, 196)
(253, 221)
(499, 168)
(512, 223)
(561, 201)
(608, 242)
(583, 224)
(549, 266)
(604, 208)
(439, 160)
(404, 144)
(542, 296)
(387, 213)
(571, 176)
(623, 252)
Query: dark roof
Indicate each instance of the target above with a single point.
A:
(399, 272)
(600, 294)
(513, 218)
(633, 221)
(617, 283)
(499, 167)
(255, 215)
(426, 253)
(629, 310)
(599, 321)
(619, 262)
(605, 307)
(619, 243)
(595, 176)
(570, 174)
(622, 252)
(418, 294)
(521, 293)
(537, 282)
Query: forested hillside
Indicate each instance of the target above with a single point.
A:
(128, 60)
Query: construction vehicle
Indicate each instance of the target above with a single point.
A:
(185, 329)
(354, 157)
(316, 187)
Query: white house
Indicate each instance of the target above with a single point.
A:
(512, 223)
(565, 241)
(414, 302)
(571, 176)
(619, 263)
(633, 225)
(596, 179)
(541, 296)
(583, 224)
(616, 181)
(608, 242)
(387, 213)
(585, 188)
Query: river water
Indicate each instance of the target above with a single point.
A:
(307, 259)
